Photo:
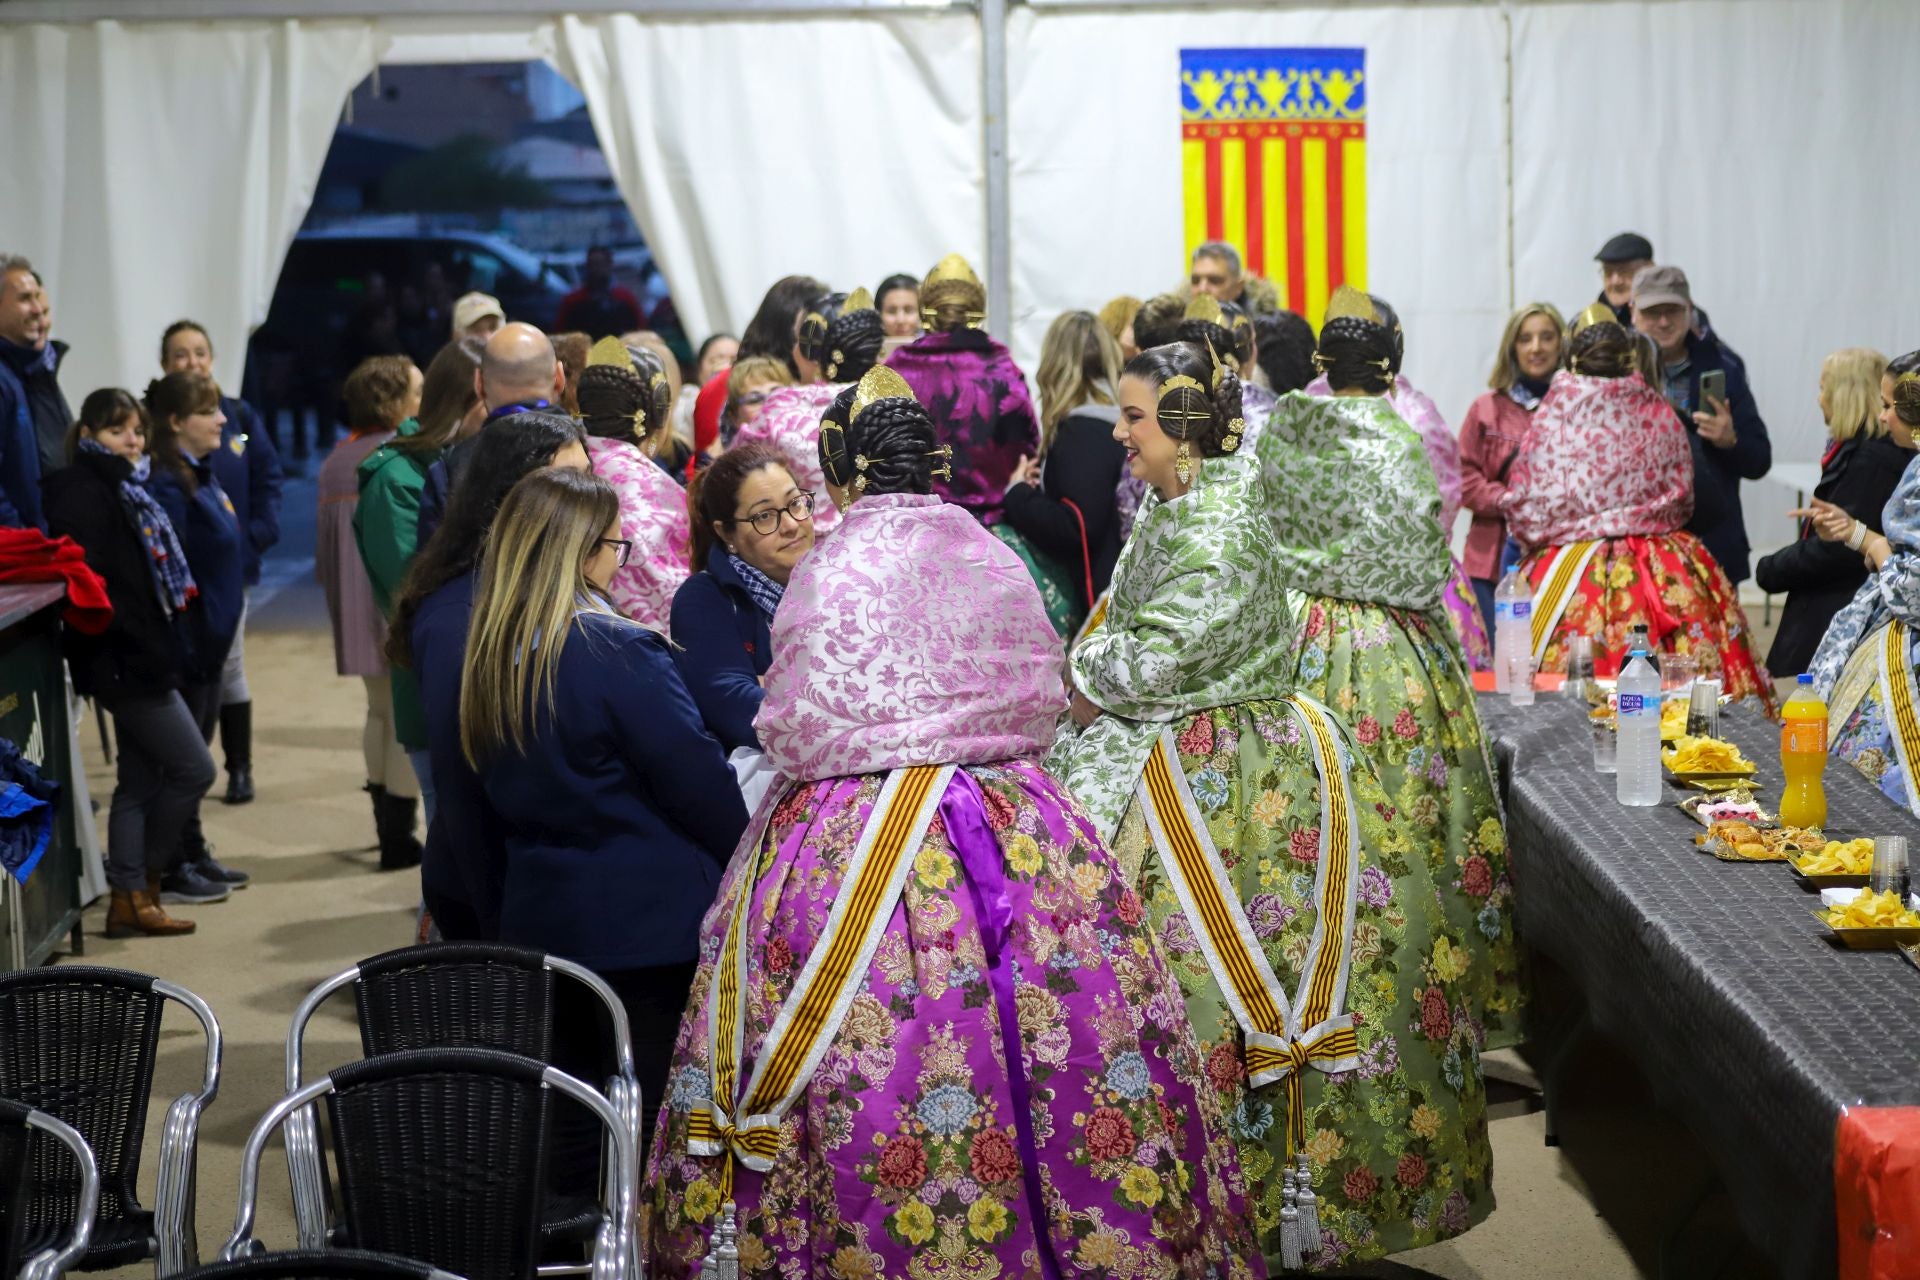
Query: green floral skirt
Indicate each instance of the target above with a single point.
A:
(1398, 1146)
(1398, 678)
(1060, 588)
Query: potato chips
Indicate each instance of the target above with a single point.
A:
(1706, 755)
(1870, 910)
(1839, 858)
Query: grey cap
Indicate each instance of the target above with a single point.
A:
(1628, 246)
(1659, 286)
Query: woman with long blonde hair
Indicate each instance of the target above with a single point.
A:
(617, 806)
(1858, 472)
(1060, 511)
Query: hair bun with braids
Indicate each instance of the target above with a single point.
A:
(1198, 396)
(854, 341)
(876, 438)
(1905, 372)
(1602, 350)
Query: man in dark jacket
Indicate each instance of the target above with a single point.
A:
(1729, 439)
(33, 413)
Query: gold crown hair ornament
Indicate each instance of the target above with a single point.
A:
(859, 300)
(1206, 307)
(1595, 313)
(880, 383)
(610, 351)
(953, 280)
(1348, 301)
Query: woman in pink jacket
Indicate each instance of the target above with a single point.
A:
(1530, 350)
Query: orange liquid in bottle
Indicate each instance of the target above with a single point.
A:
(1803, 757)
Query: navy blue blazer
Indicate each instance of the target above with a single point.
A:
(621, 814)
(211, 536)
(725, 645)
(466, 850)
(249, 469)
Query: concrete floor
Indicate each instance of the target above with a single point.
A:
(1595, 1208)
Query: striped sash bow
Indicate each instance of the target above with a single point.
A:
(1283, 1038)
(1565, 568)
(1902, 703)
(745, 1126)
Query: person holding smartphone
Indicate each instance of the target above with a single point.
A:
(1707, 385)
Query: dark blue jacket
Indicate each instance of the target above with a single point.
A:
(724, 646)
(445, 471)
(249, 469)
(466, 852)
(1717, 473)
(621, 814)
(210, 535)
(19, 438)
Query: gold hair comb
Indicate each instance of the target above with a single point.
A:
(858, 300)
(1349, 301)
(880, 383)
(1595, 313)
(610, 351)
(1206, 307)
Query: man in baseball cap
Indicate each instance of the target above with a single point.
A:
(1728, 436)
(478, 314)
(1621, 259)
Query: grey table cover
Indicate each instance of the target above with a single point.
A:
(1747, 1019)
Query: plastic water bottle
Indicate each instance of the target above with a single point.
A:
(1637, 780)
(1512, 626)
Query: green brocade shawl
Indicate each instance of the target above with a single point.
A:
(1353, 502)
(1197, 618)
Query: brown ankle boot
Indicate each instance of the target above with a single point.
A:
(139, 912)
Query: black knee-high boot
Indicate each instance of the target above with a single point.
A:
(236, 736)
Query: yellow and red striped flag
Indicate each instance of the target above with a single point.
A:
(1274, 147)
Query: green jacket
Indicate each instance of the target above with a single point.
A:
(386, 527)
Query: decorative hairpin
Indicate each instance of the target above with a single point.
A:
(1219, 369)
(833, 455)
(1174, 383)
(860, 480)
(1231, 441)
(945, 470)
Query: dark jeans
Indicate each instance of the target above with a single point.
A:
(164, 768)
(1483, 589)
(654, 998)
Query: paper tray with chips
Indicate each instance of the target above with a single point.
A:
(1828, 880)
(1868, 939)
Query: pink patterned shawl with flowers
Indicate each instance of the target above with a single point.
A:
(911, 636)
(790, 422)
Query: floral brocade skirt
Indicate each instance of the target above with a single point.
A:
(1672, 584)
(1395, 675)
(1464, 611)
(1014, 1091)
(1398, 1147)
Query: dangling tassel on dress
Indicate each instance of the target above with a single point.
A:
(1309, 1210)
(1290, 1258)
(723, 1257)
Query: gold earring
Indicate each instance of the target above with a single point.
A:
(1183, 464)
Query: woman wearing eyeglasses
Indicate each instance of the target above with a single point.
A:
(752, 523)
(615, 805)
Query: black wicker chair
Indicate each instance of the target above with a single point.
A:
(458, 995)
(441, 1155)
(49, 1194)
(319, 1264)
(79, 1043)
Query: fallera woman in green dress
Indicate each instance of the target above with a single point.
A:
(1352, 502)
(1283, 889)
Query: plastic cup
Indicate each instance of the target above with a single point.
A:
(1889, 866)
(1606, 745)
(1703, 709)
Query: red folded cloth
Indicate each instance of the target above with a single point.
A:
(28, 555)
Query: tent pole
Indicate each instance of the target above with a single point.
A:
(993, 70)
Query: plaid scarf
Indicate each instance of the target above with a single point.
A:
(765, 591)
(172, 579)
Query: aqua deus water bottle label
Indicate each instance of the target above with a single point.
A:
(1632, 704)
(1522, 608)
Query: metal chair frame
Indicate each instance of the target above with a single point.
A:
(361, 1264)
(175, 1246)
(306, 1169)
(51, 1264)
(616, 1249)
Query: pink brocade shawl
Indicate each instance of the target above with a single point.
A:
(653, 517)
(790, 422)
(911, 636)
(1604, 458)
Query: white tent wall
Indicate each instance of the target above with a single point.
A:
(1760, 144)
(160, 171)
(1095, 160)
(844, 147)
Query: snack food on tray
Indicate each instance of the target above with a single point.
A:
(1870, 910)
(1759, 844)
(1735, 803)
(1838, 858)
(1673, 719)
(1706, 755)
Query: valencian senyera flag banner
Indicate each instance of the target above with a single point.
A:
(1274, 145)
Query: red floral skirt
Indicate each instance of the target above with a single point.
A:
(1674, 586)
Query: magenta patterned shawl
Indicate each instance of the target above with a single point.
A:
(911, 636)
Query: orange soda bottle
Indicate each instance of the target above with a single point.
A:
(1803, 757)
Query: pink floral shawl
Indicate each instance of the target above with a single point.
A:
(653, 516)
(790, 422)
(911, 636)
(1604, 458)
